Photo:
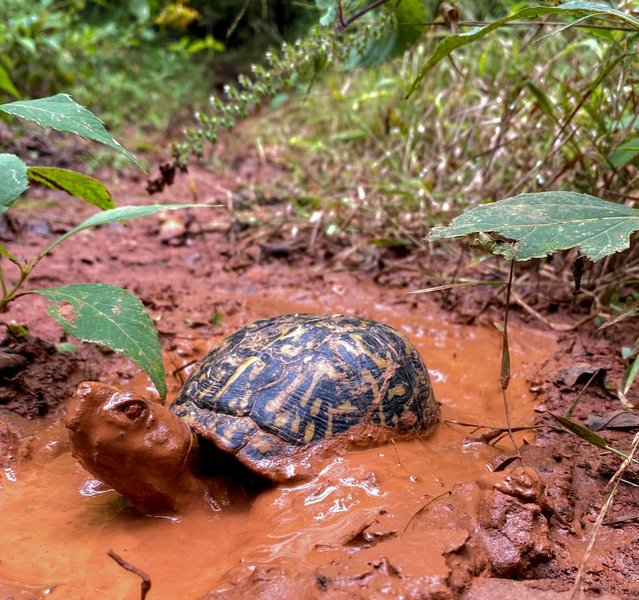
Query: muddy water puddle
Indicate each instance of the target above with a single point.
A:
(57, 524)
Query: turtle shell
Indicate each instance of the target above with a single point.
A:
(280, 385)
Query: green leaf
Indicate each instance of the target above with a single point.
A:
(6, 85)
(123, 213)
(62, 113)
(624, 153)
(81, 186)
(140, 9)
(17, 330)
(411, 17)
(542, 99)
(207, 43)
(587, 434)
(67, 347)
(13, 180)
(628, 379)
(576, 9)
(583, 432)
(329, 7)
(113, 317)
(548, 221)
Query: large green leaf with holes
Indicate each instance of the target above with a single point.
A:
(110, 316)
(548, 221)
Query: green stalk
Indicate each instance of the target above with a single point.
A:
(25, 270)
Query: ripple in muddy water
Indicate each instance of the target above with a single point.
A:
(58, 523)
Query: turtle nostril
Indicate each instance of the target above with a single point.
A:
(134, 411)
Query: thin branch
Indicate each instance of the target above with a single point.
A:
(360, 13)
(236, 21)
(340, 15)
(145, 586)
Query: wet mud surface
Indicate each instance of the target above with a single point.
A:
(453, 515)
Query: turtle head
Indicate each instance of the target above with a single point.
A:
(134, 445)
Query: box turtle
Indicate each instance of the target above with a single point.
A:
(273, 395)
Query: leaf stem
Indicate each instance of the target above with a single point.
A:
(3, 283)
(13, 294)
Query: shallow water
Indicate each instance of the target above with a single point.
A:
(57, 524)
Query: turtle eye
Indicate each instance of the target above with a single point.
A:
(134, 410)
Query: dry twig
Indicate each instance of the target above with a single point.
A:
(145, 586)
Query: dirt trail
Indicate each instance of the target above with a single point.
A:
(418, 519)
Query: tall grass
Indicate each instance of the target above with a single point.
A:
(521, 112)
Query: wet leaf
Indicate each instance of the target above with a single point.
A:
(581, 372)
(548, 221)
(576, 9)
(614, 420)
(113, 317)
(579, 430)
(589, 436)
(81, 186)
(13, 180)
(123, 213)
(502, 466)
(62, 113)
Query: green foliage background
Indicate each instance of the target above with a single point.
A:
(113, 57)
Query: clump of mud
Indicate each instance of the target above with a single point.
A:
(34, 377)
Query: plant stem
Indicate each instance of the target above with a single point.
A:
(3, 283)
(360, 13)
(25, 270)
(505, 360)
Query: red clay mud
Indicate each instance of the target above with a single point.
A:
(446, 517)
